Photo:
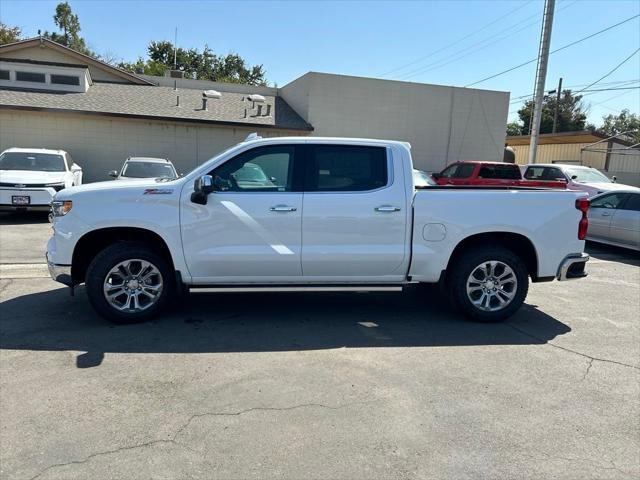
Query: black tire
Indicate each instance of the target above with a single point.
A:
(466, 263)
(108, 259)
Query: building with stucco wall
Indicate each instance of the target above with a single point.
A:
(108, 114)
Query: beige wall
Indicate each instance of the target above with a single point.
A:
(561, 152)
(443, 124)
(100, 144)
(46, 54)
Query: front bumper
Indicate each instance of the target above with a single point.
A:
(39, 199)
(573, 267)
(60, 273)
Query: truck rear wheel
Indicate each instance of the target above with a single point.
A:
(489, 284)
(129, 283)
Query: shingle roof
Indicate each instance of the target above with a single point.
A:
(153, 102)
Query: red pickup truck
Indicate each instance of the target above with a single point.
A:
(490, 173)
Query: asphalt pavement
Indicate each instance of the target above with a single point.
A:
(325, 385)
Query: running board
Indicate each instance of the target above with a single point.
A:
(297, 288)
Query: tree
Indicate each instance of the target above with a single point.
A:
(514, 128)
(69, 25)
(204, 65)
(9, 34)
(621, 123)
(571, 114)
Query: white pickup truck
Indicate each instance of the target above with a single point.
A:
(315, 214)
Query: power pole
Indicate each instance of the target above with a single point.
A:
(543, 58)
(555, 111)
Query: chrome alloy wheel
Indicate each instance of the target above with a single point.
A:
(133, 285)
(492, 286)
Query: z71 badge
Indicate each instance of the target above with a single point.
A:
(158, 191)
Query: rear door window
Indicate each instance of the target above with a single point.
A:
(345, 168)
(632, 203)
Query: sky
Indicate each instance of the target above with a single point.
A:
(440, 42)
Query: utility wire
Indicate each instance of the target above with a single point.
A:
(570, 87)
(620, 87)
(457, 41)
(481, 44)
(610, 72)
(554, 51)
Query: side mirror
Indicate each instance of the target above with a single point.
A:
(614, 179)
(113, 173)
(76, 168)
(435, 176)
(573, 177)
(202, 187)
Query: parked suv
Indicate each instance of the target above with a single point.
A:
(30, 177)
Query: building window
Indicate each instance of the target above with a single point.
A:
(65, 79)
(30, 77)
(4, 75)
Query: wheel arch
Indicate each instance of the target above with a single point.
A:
(93, 242)
(517, 243)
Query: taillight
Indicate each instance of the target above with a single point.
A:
(582, 204)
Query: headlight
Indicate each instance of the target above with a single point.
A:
(60, 208)
(56, 186)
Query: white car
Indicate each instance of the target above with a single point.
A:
(326, 214)
(614, 219)
(30, 177)
(145, 167)
(578, 177)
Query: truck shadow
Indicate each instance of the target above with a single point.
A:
(262, 322)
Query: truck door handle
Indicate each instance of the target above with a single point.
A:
(283, 208)
(605, 214)
(387, 208)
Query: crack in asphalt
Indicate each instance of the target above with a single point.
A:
(184, 426)
(575, 352)
(587, 370)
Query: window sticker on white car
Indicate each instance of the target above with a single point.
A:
(158, 191)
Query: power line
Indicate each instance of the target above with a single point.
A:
(609, 99)
(457, 41)
(554, 51)
(519, 99)
(569, 87)
(481, 44)
(610, 72)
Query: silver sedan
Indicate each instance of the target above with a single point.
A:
(614, 218)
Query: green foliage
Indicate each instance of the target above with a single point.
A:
(9, 34)
(204, 65)
(69, 26)
(514, 128)
(621, 123)
(571, 114)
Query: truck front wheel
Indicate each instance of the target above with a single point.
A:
(488, 284)
(129, 283)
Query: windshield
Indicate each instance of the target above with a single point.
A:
(36, 162)
(584, 175)
(148, 170)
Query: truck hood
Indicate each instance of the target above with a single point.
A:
(138, 184)
(30, 177)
